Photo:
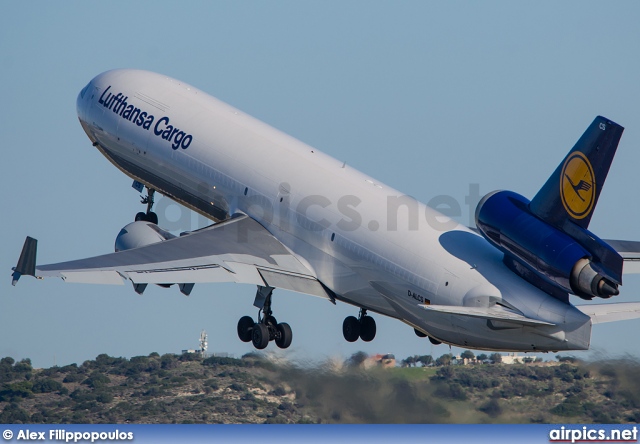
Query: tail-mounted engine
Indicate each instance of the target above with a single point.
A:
(546, 256)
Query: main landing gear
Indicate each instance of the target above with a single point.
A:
(363, 327)
(267, 328)
(149, 216)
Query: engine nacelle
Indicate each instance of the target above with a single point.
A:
(140, 233)
(504, 219)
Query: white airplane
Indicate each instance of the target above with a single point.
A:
(288, 216)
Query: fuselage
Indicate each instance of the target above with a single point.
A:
(371, 245)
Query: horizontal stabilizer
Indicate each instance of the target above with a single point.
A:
(601, 313)
(493, 314)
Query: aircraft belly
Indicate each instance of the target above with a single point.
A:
(168, 182)
(348, 283)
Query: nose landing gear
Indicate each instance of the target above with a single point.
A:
(267, 328)
(147, 200)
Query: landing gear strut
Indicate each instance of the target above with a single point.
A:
(363, 327)
(147, 200)
(267, 328)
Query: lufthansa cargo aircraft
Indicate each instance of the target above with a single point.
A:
(287, 216)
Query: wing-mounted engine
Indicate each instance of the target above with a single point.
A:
(139, 234)
(542, 254)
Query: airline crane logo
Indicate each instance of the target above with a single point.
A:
(577, 185)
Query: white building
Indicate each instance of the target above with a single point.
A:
(511, 358)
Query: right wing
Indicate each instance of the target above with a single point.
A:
(630, 252)
(238, 250)
(601, 313)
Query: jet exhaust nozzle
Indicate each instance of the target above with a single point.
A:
(585, 280)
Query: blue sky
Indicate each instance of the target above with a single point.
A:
(427, 97)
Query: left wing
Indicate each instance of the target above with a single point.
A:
(238, 250)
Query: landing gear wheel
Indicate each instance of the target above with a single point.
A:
(152, 217)
(434, 341)
(284, 335)
(260, 336)
(141, 216)
(367, 329)
(419, 333)
(267, 328)
(245, 327)
(351, 328)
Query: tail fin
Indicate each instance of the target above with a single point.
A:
(572, 191)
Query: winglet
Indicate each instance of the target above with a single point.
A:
(572, 192)
(27, 262)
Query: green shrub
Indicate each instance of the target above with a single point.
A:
(47, 386)
(492, 408)
(96, 380)
(73, 377)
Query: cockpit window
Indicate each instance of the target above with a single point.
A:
(84, 90)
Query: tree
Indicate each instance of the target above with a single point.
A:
(24, 366)
(467, 354)
(7, 362)
(168, 361)
(425, 360)
(496, 358)
(566, 358)
(409, 361)
(444, 359)
(482, 357)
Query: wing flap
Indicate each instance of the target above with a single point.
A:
(92, 277)
(493, 314)
(189, 275)
(294, 282)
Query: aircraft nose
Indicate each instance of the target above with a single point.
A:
(81, 101)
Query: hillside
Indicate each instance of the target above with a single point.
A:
(187, 389)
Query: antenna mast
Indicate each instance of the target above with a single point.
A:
(203, 344)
